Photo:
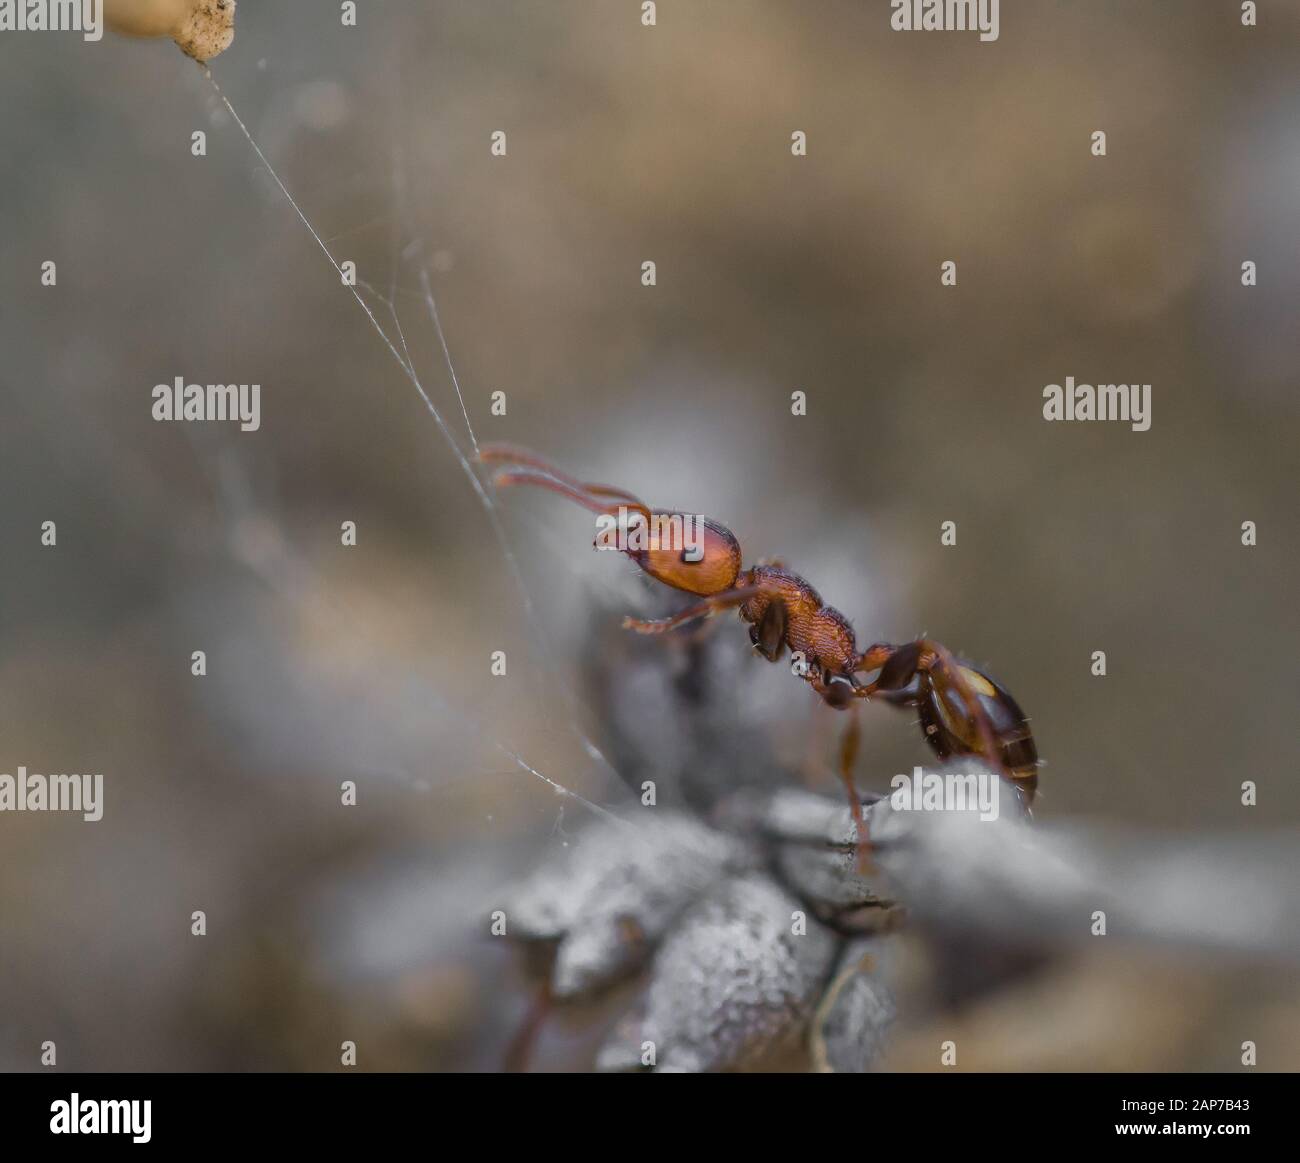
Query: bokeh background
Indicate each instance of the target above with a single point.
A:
(775, 273)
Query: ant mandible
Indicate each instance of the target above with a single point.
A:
(962, 710)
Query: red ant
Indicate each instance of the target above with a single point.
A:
(962, 710)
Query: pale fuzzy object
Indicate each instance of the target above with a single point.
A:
(201, 28)
(732, 985)
(734, 979)
(612, 895)
(147, 17)
(209, 29)
(857, 1011)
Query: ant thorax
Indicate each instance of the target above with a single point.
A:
(818, 633)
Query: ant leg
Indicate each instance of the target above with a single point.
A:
(524, 1040)
(709, 606)
(848, 757)
(768, 636)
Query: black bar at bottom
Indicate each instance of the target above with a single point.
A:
(336, 1111)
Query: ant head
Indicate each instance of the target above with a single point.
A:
(689, 553)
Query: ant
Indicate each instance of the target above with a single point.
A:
(962, 710)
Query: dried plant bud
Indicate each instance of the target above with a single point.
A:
(208, 30)
(147, 17)
(738, 977)
(201, 28)
(811, 839)
(610, 897)
(856, 1014)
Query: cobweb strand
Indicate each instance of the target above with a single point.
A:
(408, 368)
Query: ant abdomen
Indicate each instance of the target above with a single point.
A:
(950, 731)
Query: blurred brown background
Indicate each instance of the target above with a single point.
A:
(775, 273)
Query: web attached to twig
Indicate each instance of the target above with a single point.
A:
(400, 351)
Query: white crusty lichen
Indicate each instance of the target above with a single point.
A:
(737, 957)
(736, 979)
(609, 897)
(756, 933)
